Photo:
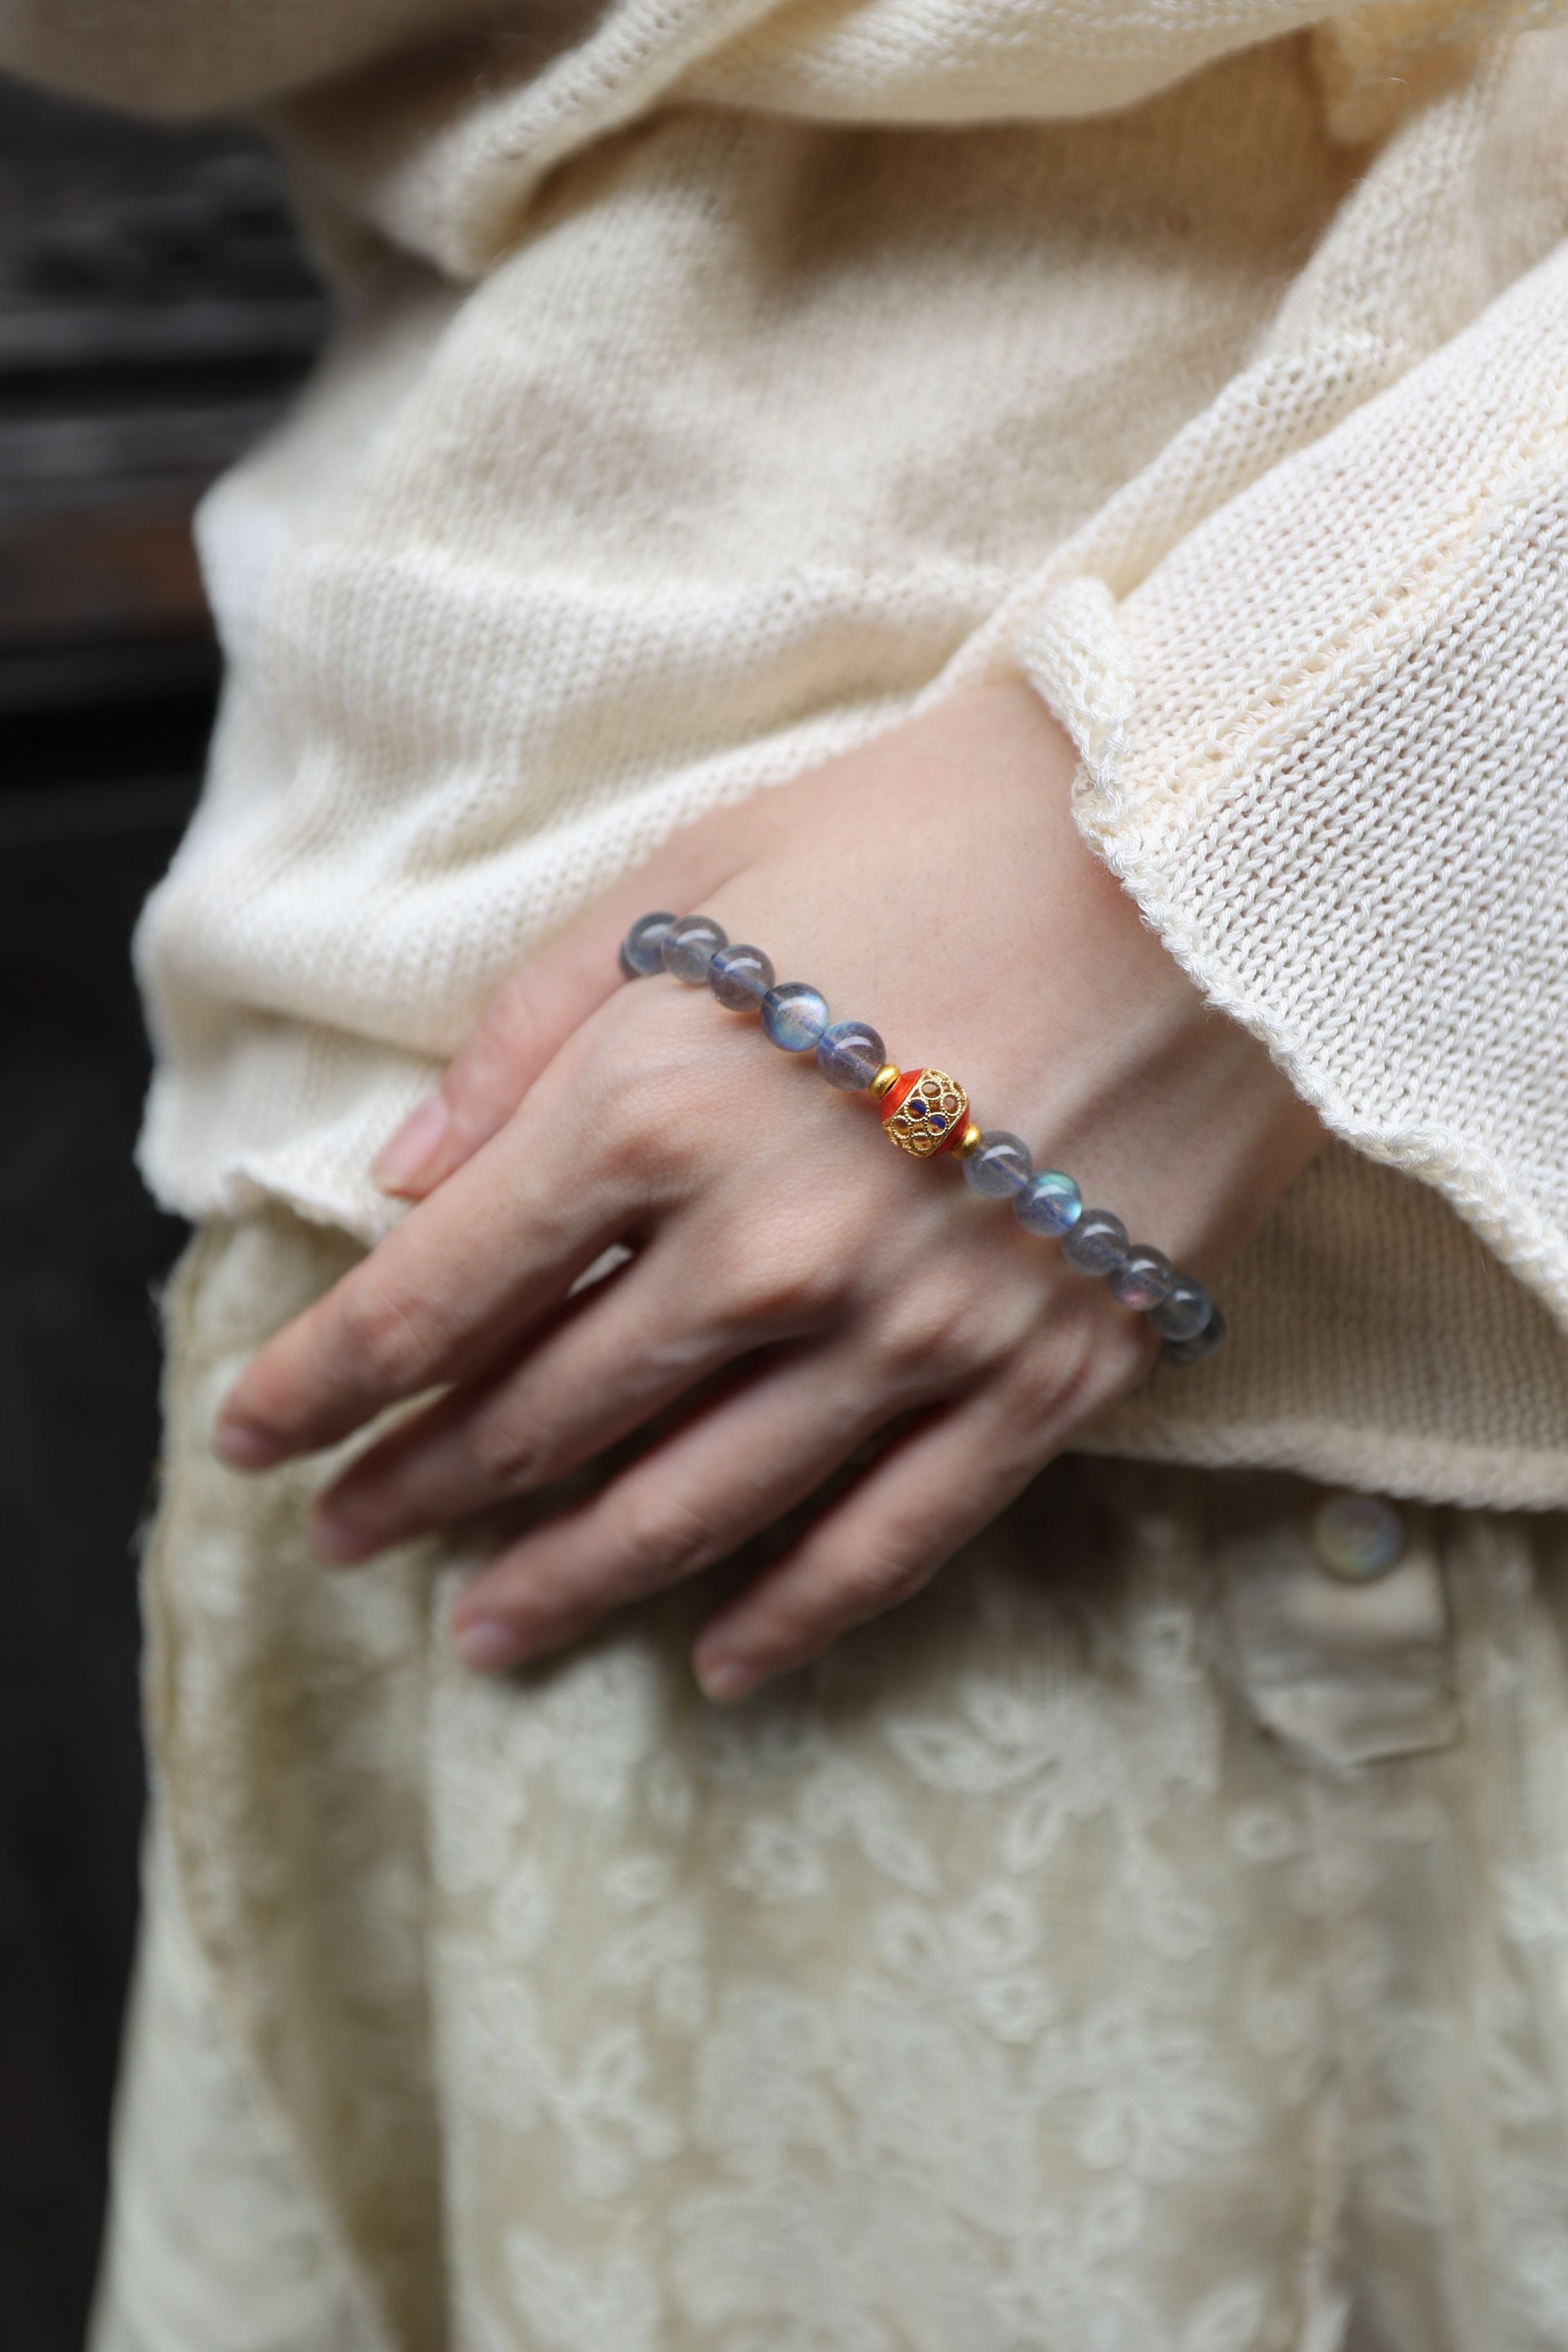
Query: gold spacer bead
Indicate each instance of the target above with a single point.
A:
(967, 1142)
(887, 1077)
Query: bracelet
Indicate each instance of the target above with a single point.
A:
(926, 1114)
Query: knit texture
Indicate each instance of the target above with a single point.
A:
(721, 382)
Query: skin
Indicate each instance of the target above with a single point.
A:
(797, 1286)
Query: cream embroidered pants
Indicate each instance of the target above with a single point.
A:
(1143, 1942)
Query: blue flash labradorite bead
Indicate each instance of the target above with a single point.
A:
(998, 1165)
(1143, 1278)
(795, 1015)
(1097, 1244)
(741, 977)
(1049, 1203)
(642, 949)
(1202, 1343)
(1184, 1311)
(849, 1055)
(689, 946)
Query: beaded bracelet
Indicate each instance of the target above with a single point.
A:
(926, 1113)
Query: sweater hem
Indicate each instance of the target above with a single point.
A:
(1401, 1464)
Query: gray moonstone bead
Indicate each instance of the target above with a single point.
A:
(795, 1015)
(849, 1055)
(1202, 1343)
(642, 949)
(741, 977)
(1050, 1203)
(1185, 1309)
(1143, 1278)
(999, 1165)
(1097, 1244)
(689, 946)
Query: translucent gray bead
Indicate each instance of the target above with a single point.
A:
(1142, 1279)
(1183, 1310)
(642, 949)
(1097, 1244)
(689, 946)
(1049, 1203)
(849, 1055)
(741, 977)
(999, 1165)
(1202, 1343)
(795, 1015)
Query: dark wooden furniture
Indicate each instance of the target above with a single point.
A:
(155, 307)
(154, 304)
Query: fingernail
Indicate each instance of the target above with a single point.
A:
(414, 1146)
(244, 1447)
(486, 1645)
(726, 1680)
(338, 1539)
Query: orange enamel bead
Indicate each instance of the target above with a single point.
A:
(925, 1112)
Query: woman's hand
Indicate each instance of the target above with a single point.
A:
(803, 1286)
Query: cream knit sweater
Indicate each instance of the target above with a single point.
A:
(725, 379)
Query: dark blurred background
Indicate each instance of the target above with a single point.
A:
(155, 310)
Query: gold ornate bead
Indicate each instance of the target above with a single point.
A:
(967, 1142)
(887, 1075)
(931, 1117)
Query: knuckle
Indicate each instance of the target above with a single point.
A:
(1050, 1377)
(789, 1624)
(499, 1045)
(1081, 1366)
(874, 1578)
(386, 1337)
(930, 1328)
(643, 1113)
(785, 1284)
(510, 1451)
(541, 1595)
(1052, 1394)
(550, 1609)
(662, 1534)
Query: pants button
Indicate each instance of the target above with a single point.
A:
(1357, 1538)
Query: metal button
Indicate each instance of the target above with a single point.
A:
(1358, 1538)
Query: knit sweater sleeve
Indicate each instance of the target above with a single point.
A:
(1325, 745)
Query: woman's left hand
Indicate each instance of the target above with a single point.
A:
(801, 1289)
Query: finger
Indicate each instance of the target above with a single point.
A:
(627, 1350)
(934, 1488)
(529, 1016)
(727, 1474)
(468, 1276)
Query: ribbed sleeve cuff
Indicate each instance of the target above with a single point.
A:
(1325, 745)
